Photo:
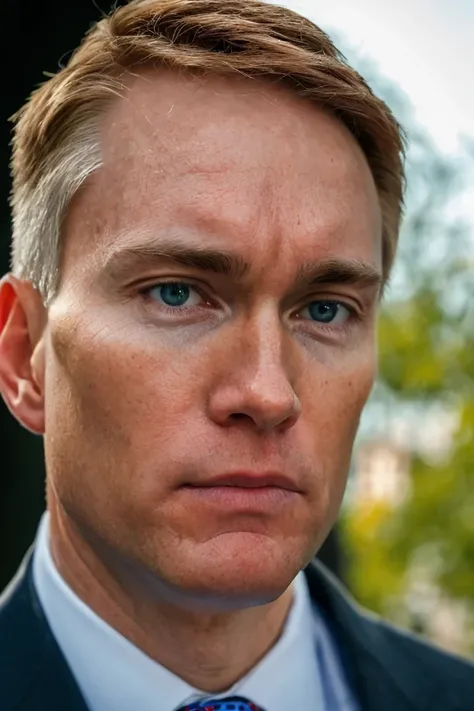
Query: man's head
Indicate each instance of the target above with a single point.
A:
(206, 205)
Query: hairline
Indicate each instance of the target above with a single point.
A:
(40, 203)
(85, 145)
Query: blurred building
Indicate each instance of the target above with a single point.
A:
(445, 621)
(381, 483)
(381, 473)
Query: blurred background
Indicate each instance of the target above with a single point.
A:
(404, 543)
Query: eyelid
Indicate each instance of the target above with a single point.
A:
(207, 299)
(331, 330)
(160, 281)
(350, 306)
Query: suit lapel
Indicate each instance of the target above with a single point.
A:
(34, 674)
(377, 669)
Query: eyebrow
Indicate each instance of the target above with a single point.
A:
(338, 271)
(122, 264)
(132, 259)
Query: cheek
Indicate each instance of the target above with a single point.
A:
(121, 377)
(333, 405)
(114, 402)
(338, 386)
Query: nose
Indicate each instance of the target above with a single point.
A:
(254, 387)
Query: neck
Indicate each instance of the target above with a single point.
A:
(225, 645)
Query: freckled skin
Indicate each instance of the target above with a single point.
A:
(137, 404)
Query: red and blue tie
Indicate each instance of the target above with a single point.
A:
(230, 703)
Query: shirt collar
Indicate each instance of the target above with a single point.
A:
(114, 675)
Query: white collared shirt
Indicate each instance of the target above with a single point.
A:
(302, 670)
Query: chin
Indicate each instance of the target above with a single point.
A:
(234, 570)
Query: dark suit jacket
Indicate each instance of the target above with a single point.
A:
(387, 669)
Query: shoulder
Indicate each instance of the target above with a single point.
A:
(33, 672)
(17, 634)
(376, 649)
(391, 642)
(16, 611)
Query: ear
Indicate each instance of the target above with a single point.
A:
(23, 318)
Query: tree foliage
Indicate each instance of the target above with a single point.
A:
(426, 346)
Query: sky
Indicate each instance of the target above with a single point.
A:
(426, 46)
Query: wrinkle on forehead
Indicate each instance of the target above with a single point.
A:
(169, 120)
(230, 158)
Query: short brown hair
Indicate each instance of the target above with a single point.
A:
(56, 138)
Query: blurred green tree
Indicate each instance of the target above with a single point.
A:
(426, 347)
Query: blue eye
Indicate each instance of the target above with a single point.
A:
(175, 294)
(327, 312)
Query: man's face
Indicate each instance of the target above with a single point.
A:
(215, 318)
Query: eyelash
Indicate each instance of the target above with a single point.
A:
(145, 294)
(354, 315)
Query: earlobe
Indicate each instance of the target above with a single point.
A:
(21, 385)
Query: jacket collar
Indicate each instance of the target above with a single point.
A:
(33, 672)
(381, 665)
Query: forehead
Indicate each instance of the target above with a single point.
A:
(221, 159)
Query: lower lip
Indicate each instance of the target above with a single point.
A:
(242, 498)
